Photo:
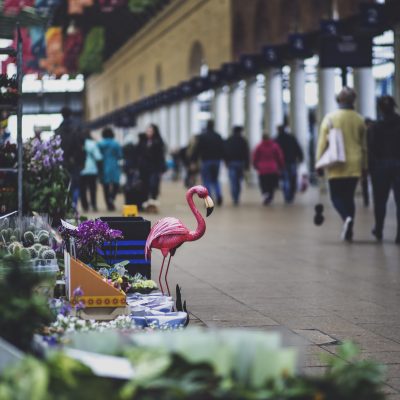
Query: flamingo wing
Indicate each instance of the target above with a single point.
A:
(165, 226)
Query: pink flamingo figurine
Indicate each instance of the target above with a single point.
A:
(170, 233)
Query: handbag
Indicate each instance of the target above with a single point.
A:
(335, 152)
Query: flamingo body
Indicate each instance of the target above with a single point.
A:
(166, 235)
(169, 233)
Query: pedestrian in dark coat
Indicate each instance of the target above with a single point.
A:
(210, 150)
(236, 156)
(385, 163)
(151, 162)
(72, 144)
(293, 157)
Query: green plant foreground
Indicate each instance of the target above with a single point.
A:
(166, 375)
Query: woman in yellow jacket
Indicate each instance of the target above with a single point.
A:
(343, 177)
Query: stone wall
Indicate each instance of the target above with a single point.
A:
(167, 51)
(187, 33)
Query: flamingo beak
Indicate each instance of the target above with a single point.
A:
(209, 205)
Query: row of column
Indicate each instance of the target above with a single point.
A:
(240, 104)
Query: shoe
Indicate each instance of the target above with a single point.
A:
(378, 235)
(267, 199)
(219, 201)
(347, 231)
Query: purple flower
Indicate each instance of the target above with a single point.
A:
(65, 309)
(77, 292)
(46, 161)
(79, 306)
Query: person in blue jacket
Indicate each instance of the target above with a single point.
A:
(88, 181)
(111, 152)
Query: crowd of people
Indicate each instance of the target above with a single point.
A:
(88, 162)
(272, 159)
(371, 150)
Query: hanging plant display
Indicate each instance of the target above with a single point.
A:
(91, 59)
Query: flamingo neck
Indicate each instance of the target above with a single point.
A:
(201, 225)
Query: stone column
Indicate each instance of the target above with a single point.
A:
(194, 117)
(184, 122)
(326, 92)
(252, 117)
(235, 106)
(220, 112)
(298, 108)
(273, 112)
(164, 125)
(173, 126)
(364, 85)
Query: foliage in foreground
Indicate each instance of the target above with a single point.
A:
(166, 370)
(23, 309)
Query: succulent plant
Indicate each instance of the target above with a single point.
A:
(10, 247)
(17, 251)
(37, 247)
(13, 238)
(29, 237)
(24, 254)
(42, 250)
(48, 254)
(44, 238)
(33, 252)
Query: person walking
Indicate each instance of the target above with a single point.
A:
(111, 153)
(151, 161)
(293, 157)
(268, 160)
(385, 163)
(72, 145)
(88, 180)
(210, 149)
(343, 177)
(236, 156)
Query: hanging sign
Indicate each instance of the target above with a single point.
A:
(251, 63)
(271, 56)
(299, 46)
(329, 27)
(346, 51)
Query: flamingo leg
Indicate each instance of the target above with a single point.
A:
(166, 274)
(159, 276)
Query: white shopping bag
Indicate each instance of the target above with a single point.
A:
(335, 152)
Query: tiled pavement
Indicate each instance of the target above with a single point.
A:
(270, 268)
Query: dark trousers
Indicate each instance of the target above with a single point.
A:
(385, 176)
(235, 169)
(342, 191)
(289, 182)
(88, 183)
(268, 183)
(210, 176)
(110, 192)
(151, 184)
(365, 191)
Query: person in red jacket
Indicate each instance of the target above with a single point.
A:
(268, 160)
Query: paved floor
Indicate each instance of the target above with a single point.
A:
(270, 268)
